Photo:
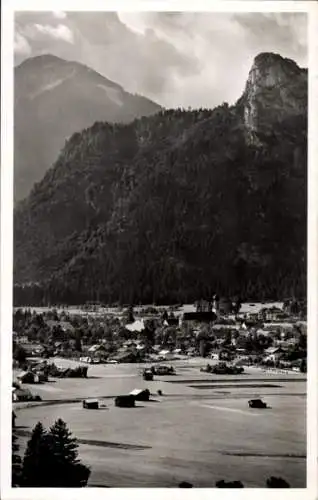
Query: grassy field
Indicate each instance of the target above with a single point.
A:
(200, 430)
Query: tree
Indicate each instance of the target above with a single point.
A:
(53, 451)
(16, 461)
(70, 472)
(276, 482)
(78, 343)
(37, 462)
(19, 354)
(185, 484)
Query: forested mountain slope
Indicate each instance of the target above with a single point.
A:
(178, 205)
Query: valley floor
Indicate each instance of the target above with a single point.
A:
(200, 430)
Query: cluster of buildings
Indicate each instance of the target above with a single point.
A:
(268, 335)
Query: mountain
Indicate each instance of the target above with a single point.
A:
(176, 206)
(55, 98)
(276, 89)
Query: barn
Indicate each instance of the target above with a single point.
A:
(91, 404)
(141, 394)
(127, 401)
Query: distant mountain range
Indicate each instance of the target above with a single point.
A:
(55, 98)
(176, 206)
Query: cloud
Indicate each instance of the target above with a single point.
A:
(59, 14)
(60, 32)
(218, 48)
(175, 58)
(21, 45)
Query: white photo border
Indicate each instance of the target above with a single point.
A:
(6, 293)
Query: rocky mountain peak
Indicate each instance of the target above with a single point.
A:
(276, 87)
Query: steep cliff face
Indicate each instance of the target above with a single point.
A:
(276, 89)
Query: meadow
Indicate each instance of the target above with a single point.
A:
(199, 430)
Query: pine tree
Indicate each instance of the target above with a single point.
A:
(16, 461)
(65, 447)
(38, 460)
(50, 460)
(69, 471)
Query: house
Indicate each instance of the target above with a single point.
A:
(97, 348)
(91, 404)
(265, 333)
(220, 330)
(42, 376)
(253, 317)
(177, 351)
(38, 351)
(19, 394)
(214, 355)
(203, 306)
(288, 342)
(29, 348)
(273, 353)
(85, 359)
(165, 354)
(28, 377)
(136, 326)
(125, 357)
(271, 314)
(21, 339)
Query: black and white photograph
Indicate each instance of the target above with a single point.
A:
(159, 320)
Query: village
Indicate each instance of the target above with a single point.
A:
(270, 337)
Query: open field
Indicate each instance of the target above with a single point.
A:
(199, 430)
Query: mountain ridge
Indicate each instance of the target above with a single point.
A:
(55, 98)
(171, 207)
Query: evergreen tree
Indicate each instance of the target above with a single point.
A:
(50, 460)
(65, 447)
(16, 461)
(69, 471)
(37, 462)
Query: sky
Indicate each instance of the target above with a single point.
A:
(182, 59)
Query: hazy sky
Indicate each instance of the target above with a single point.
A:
(177, 59)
